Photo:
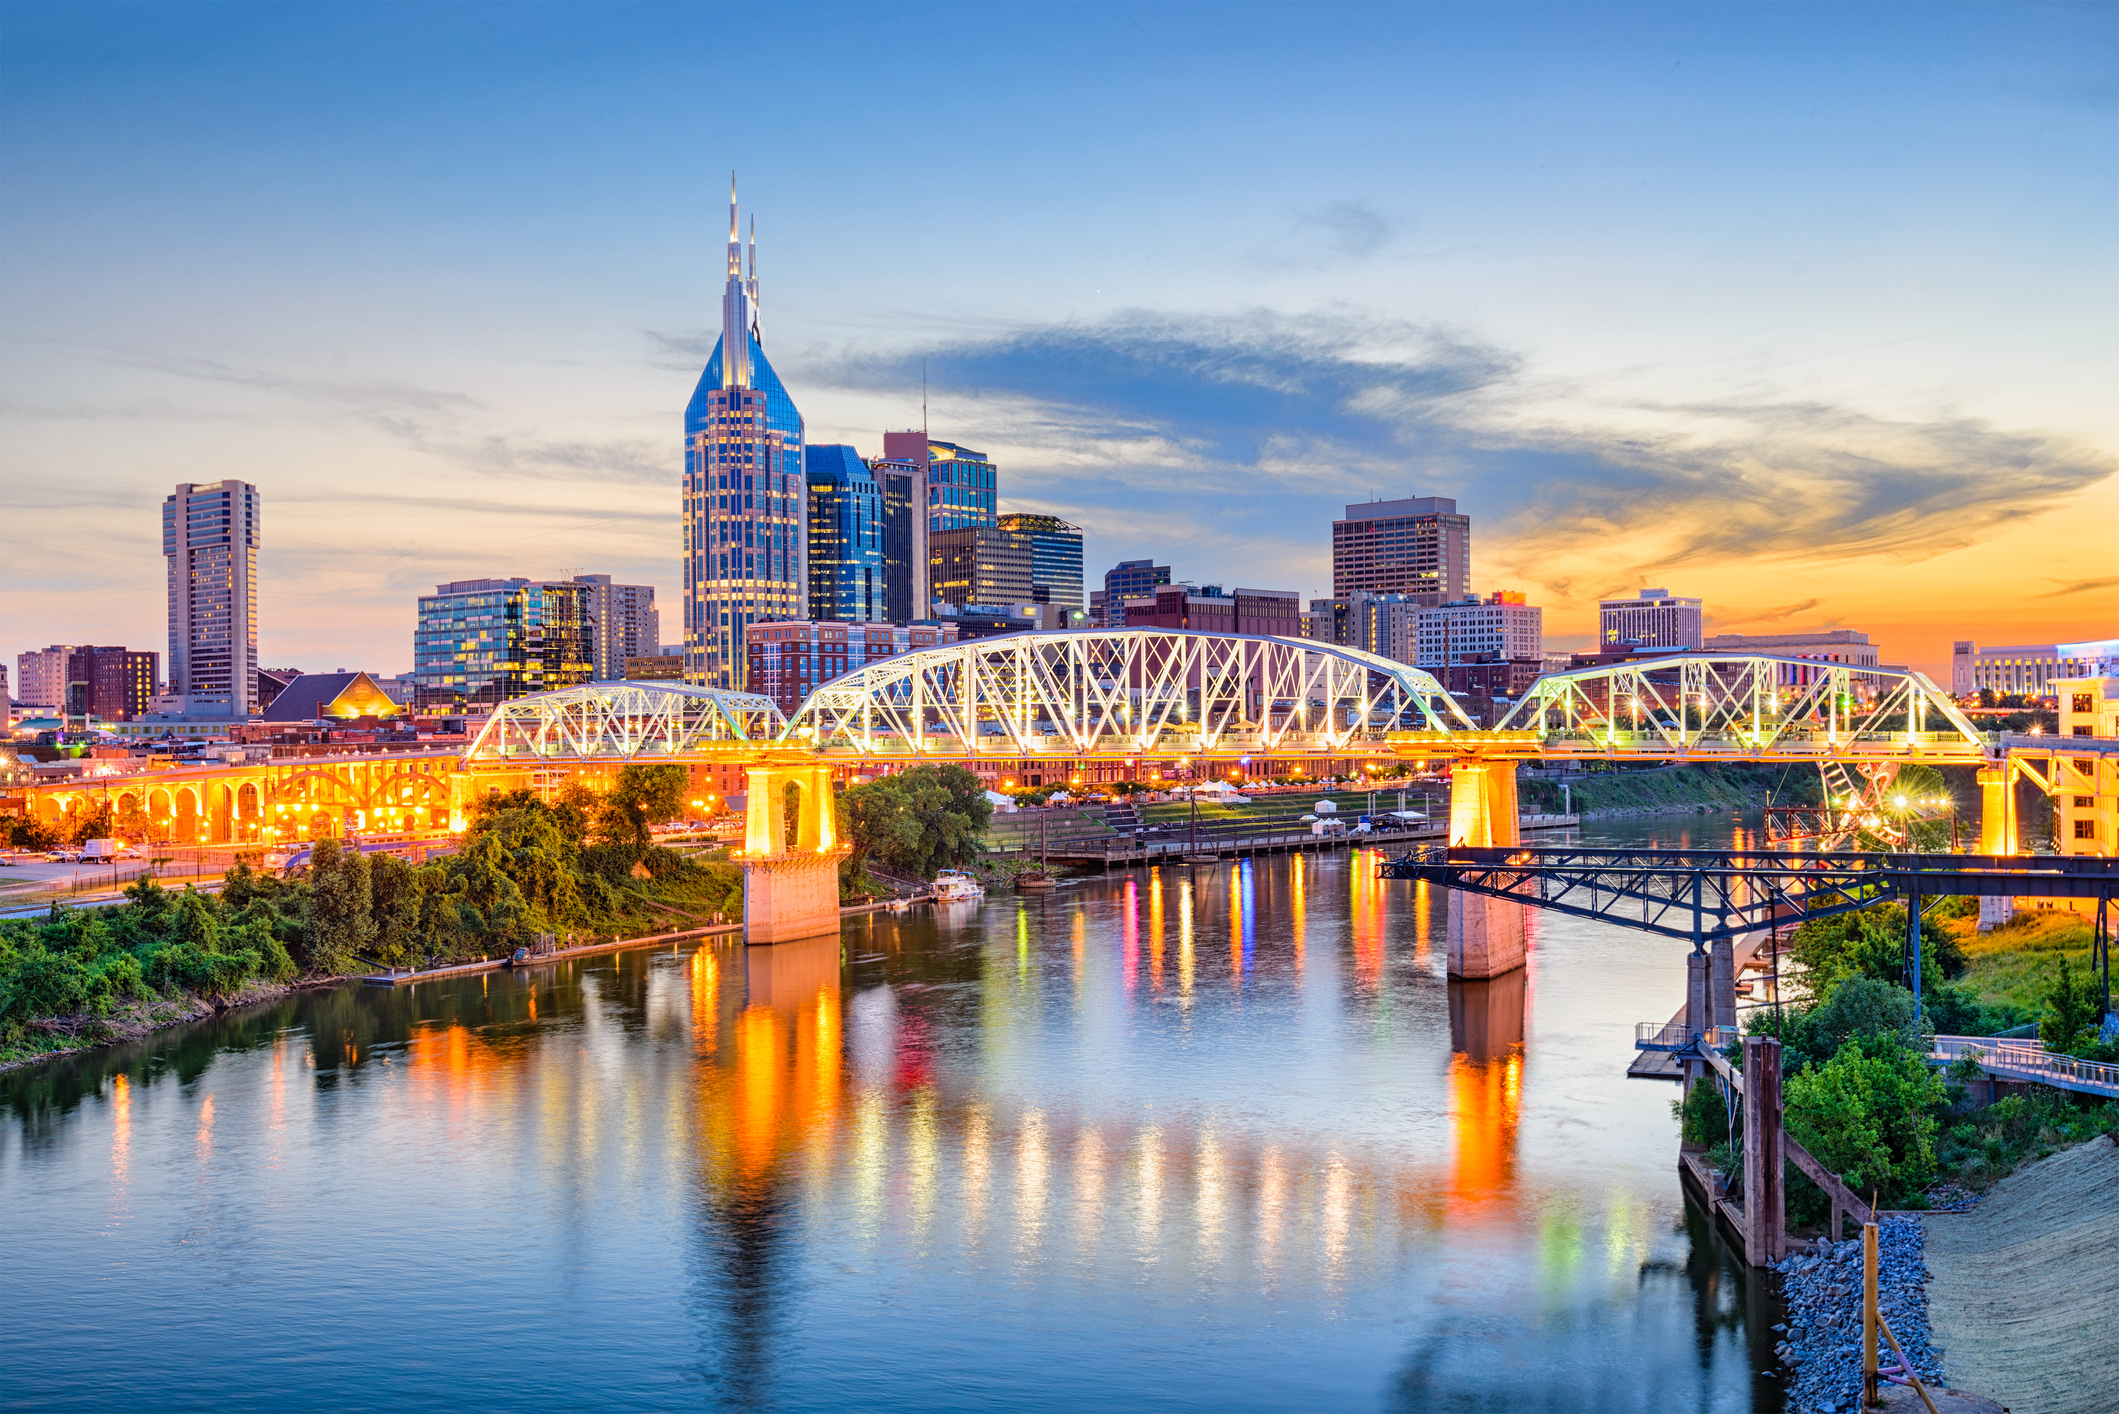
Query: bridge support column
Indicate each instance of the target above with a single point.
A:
(1997, 835)
(1482, 804)
(1699, 1009)
(1486, 1017)
(1723, 967)
(1486, 936)
(1765, 1195)
(790, 880)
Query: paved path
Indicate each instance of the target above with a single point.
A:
(2023, 1296)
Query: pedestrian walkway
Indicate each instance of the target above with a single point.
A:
(2028, 1062)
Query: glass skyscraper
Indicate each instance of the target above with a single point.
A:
(481, 642)
(210, 538)
(846, 569)
(745, 492)
(1055, 558)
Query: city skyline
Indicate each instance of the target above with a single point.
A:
(1820, 371)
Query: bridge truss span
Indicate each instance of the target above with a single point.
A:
(1120, 691)
(624, 721)
(1749, 705)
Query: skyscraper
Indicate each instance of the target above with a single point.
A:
(1655, 619)
(979, 564)
(846, 565)
(963, 487)
(627, 624)
(1420, 547)
(745, 494)
(1129, 579)
(210, 536)
(1055, 558)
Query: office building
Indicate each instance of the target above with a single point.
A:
(1128, 579)
(1963, 654)
(1498, 628)
(1275, 613)
(41, 676)
(625, 624)
(1383, 624)
(1420, 547)
(480, 642)
(1655, 618)
(1055, 558)
(980, 564)
(2031, 669)
(789, 660)
(906, 595)
(847, 578)
(112, 684)
(746, 499)
(962, 486)
(210, 535)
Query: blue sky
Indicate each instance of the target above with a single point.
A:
(1805, 309)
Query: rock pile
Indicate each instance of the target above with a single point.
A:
(1822, 1341)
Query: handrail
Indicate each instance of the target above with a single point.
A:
(1841, 1195)
(2030, 1061)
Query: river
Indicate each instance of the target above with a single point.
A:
(1190, 1139)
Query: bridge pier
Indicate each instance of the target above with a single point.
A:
(790, 880)
(1997, 835)
(1486, 935)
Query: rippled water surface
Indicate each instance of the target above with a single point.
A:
(1219, 1139)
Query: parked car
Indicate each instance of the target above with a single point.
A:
(63, 856)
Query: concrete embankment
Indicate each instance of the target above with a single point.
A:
(2024, 1292)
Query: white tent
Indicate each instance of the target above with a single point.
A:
(1002, 803)
(1326, 807)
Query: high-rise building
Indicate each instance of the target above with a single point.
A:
(847, 579)
(905, 591)
(980, 564)
(210, 536)
(1500, 628)
(1656, 618)
(626, 624)
(1129, 579)
(480, 642)
(114, 684)
(1055, 558)
(1420, 547)
(41, 676)
(745, 495)
(963, 487)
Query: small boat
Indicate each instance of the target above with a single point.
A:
(1035, 882)
(899, 905)
(520, 958)
(955, 886)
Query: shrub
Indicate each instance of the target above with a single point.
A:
(1868, 1114)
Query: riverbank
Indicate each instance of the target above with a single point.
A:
(1704, 789)
(49, 1038)
(2020, 1287)
(1823, 1288)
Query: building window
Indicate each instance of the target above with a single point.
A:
(2085, 829)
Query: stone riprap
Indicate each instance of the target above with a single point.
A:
(1822, 1340)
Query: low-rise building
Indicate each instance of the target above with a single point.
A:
(1499, 628)
(2031, 669)
(1275, 613)
(791, 658)
(656, 667)
(1837, 645)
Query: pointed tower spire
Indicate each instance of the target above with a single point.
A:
(736, 319)
(754, 271)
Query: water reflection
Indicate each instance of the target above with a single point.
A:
(1214, 1137)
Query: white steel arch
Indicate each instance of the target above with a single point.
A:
(1751, 704)
(625, 721)
(1121, 690)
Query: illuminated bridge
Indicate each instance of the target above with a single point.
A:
(1139, 704)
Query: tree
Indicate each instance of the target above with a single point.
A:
(919, 821)
(340, 923)
(91, 824)
(2072, 1016)
(640, 797)
(1871, 942)
(1868, 1114)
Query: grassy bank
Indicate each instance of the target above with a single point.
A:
(1667, 790)
(2011, 968)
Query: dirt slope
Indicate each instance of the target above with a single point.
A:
(2024, 1297)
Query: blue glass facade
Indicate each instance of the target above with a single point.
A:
(963, 488)
(846, 579)
(479, 642)
(745, 495)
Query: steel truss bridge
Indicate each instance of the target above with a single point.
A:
(1154, 703)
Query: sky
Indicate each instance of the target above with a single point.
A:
(1806, 310)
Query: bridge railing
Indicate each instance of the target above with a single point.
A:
(2031, 1061)
(1677, 1036)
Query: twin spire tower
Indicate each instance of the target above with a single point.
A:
(745, 499)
